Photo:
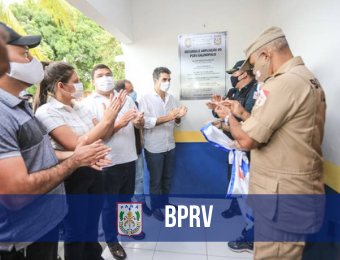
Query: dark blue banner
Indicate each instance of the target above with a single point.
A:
(197, 218)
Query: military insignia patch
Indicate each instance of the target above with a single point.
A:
(261, 98)
(129, 219)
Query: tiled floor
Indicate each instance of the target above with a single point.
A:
(183, 250)
(179, 251)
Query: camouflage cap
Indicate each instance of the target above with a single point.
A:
(262, 39)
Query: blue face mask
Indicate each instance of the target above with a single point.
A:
(133, 95)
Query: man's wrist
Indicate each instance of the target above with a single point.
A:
(119, 124)
(106, 123)
(217, 123)
(73, 163)
(245, 115)
(226, 120)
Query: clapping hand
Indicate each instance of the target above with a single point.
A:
(122, 97)
(128, 116)
(182, 111)
(222, 110)
(173, 113)
(139, 120)
(92, 155)
(216, 98)
(112, 109)
(236, 108)
(210, 105)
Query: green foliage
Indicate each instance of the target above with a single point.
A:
(83, 46)
(138, 215)
(121, 215)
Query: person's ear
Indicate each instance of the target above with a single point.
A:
(243, 75)
(93, 83)
(60, 86)
(266, 56)
(155, 81)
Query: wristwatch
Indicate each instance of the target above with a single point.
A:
(226, 120)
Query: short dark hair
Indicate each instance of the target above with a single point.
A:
(97, 67)
(157, 72)
(120, 84)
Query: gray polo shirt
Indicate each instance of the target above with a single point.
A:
(21, 135)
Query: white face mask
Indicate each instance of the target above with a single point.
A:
(79, 90)
(165, 86)
(105, 84)
(31, 73)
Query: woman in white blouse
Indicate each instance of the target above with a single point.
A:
(68, 123)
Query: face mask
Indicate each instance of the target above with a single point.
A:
(105, 84)
(234, 80)
(31, 73)
(79, 90)
(261, 71)
(165, 86)
(133, 95)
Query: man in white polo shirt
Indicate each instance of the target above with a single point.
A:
(120, 175)
(161, 115)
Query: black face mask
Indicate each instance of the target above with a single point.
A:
(234, 80)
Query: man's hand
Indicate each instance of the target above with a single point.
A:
(216, 98)
(222, 110)
(173, 114)
(113, 108)
(89, 155)
(211, 105)
(216, 123)
(236, 145)
(127, 117)
(138, 122)
(101, 163)
(237, 109)
(122, 97)
(182, 111)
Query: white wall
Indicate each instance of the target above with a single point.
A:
(312, 30)
(156, 26)
(311, 27)
(113, 15)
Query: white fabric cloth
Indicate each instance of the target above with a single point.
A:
(157, 139)
(217, 138)
(54, 114)
(123, 142)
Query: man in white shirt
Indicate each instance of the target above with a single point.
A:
(120, 175)
(161, 115)
(139, 195)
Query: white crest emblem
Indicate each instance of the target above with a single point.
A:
(130, 219)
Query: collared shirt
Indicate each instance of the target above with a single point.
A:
(288, 120)
(123, 142)
(157, 139)
(54, 114)
(21, 135)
